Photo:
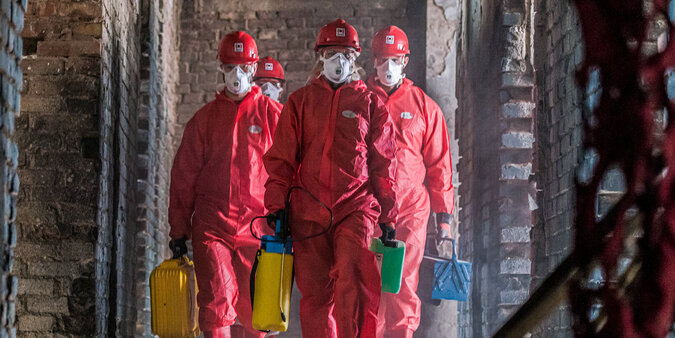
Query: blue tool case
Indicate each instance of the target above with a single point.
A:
(451, 277)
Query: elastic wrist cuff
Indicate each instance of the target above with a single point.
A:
(443, 217)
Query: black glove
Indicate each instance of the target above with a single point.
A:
(178, 247)
(388, 237)
(273, 217)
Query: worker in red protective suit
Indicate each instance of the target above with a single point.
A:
(424, 173)
(270, 77)
(217, 188)
(335, 139)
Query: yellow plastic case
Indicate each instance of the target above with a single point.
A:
(272, 300)
(173, 292)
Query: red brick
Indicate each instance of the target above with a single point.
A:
(47, 8)
(85, 10)
(69, 48)
(42, 66)
(88, 29)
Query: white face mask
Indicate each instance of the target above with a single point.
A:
(337, 69)
(237, 81)
(270, 90)
(389, 73)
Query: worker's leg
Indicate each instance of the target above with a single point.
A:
(215, 279)
(244, 255)
(357, 277)
(313, 260)
(400, 313)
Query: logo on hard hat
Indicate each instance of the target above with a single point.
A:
(406, 115)
(400, 46)
(238, 47)
(389, 39)
(340, 31)
(269, 66)
(254, 129)
(349, 114)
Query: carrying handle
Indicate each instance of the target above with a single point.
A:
(254, 269)
(281, 284)
(285, 231)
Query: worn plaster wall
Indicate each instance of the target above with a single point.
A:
(441, 59)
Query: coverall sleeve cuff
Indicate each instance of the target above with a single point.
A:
(179, 232)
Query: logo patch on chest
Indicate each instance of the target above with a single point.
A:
(406, 115)
(255, 129)
(349, 114)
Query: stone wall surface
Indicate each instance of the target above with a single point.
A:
(120, 80)
(156, 128)
(95, 136)
(559, 137)
(59, 162)
(479, 165)
(495, 132)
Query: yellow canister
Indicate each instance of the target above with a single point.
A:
(272, 292)
(173, 292)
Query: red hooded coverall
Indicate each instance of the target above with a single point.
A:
(340, 145)
(216, 189)
(423, 158)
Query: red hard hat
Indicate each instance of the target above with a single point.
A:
(237, 48)
(269, 68)
(390, 41)
(337, 33)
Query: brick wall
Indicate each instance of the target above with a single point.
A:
(96, 147)
(495, 131)
(11, 23)
(156, 126)
(121, 61)
(58, 137)
(558, 41)
(561, 107)
(517, 187)
(286, 31)
(478, 167)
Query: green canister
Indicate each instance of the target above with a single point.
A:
(390, 261)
